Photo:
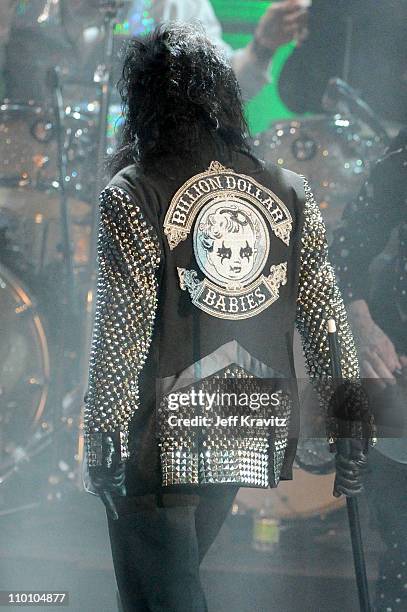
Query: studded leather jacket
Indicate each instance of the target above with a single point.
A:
(204, 273)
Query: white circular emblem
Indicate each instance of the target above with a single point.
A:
(231, 242)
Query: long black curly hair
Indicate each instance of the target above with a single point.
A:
(176, 86)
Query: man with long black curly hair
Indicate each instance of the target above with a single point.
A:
(207, 259)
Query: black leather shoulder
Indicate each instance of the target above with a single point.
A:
(288, 185)
(132, 180)
(128, 179)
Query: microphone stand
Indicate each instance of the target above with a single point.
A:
(69, 303)
(104, 77)
(351, 502)
(55, 85)
(338, 89)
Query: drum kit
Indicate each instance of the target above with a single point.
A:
(329, 150)
(51, 171)
(333, 150)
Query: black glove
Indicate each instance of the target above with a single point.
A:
(109, 478)
(350, 464)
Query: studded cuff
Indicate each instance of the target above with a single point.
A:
(318, 300)
(126, 302)
(96, 448)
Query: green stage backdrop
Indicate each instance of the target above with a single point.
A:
(239, 19)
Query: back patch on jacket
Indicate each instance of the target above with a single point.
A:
(230, 218)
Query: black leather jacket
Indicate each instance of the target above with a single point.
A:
(204, 273)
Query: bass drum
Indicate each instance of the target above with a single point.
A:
(24, 367)
(306, 496)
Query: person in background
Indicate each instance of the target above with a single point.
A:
(282, 22)
(46, 34)
(363, 42)
(377, 306)
(68, 33)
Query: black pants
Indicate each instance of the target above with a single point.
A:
(386, 486)
(386, 483)
(158, 544)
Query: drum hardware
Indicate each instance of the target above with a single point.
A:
(43, 131)
(109, 8)
(337, 91)
(332, 151)
(115, 120)
(28, 149)
(24, 356)
(25, 374)
(36, 184)
(313, 452)
(29, 222)
(59, 482)
(306, 496)
(42, 155)
(62, 163)
(22, 508)
(34, 234)
(314, 457)
(17, 456)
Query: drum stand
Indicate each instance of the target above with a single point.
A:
(54, 83)
(37, 444)
(103, 77)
